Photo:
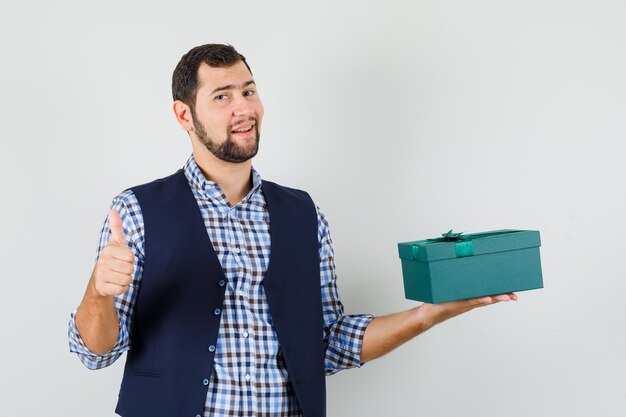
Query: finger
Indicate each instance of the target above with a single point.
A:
(505, 297)
(122, 253)
(482, 301)
(117, 230)
(122, 267)
(106, 289)
(116, 278)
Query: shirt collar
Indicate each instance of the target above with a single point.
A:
(211, 189)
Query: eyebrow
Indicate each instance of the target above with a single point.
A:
(232, 87)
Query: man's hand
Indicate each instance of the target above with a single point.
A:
(114, 270)
(386, 333)
(433, 314)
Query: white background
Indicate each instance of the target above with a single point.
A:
(402, 119)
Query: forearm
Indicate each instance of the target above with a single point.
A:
(97, 321)
(386, 333)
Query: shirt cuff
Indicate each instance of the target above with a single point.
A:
(343, 350)
(86, 356)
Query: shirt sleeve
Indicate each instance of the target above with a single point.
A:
(343, 334)
(132, 220)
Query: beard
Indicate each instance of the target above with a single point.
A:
(229, 151)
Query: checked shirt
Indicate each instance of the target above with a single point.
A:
(249, 375)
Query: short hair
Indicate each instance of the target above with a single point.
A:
(185, 77)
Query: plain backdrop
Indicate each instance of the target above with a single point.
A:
(403, 119)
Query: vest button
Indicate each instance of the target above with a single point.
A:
(212, 348)
(217, 311)
(205, 382)
(221, 283)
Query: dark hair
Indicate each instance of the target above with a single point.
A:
(185, 77)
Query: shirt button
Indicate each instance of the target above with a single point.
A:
(198, 415)
(245, 334)
(248, 377)
(236, 249)
(221, 283)
(242, 293)
(205, 382)
(217, 311)
(212, 348)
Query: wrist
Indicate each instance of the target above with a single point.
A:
(426, 317)
(95, 296)
(433, 314)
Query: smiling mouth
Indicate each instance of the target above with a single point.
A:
(243, 130)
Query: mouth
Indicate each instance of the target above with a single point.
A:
(244, 129)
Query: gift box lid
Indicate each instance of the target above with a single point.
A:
(455, 245)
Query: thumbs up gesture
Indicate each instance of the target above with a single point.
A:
(114, 270)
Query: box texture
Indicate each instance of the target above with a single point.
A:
(457, 266)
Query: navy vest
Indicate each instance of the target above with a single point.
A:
(177, 309)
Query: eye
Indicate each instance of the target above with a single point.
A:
(249, 93)
(221, 97)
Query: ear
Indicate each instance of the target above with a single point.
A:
(182, 112)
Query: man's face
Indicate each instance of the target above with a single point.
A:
(228, 113)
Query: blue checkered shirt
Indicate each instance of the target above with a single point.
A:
(249, 375)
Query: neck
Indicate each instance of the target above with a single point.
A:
(233, 178)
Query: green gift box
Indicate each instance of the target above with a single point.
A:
(457, 266)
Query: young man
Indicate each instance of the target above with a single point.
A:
(218, 283)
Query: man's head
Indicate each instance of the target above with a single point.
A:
(215, 100)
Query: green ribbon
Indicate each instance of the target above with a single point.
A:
(465, 248)
(450, 236)
(463, 245)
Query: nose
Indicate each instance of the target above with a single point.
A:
(242, 106)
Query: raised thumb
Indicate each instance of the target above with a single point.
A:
(117, 230)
